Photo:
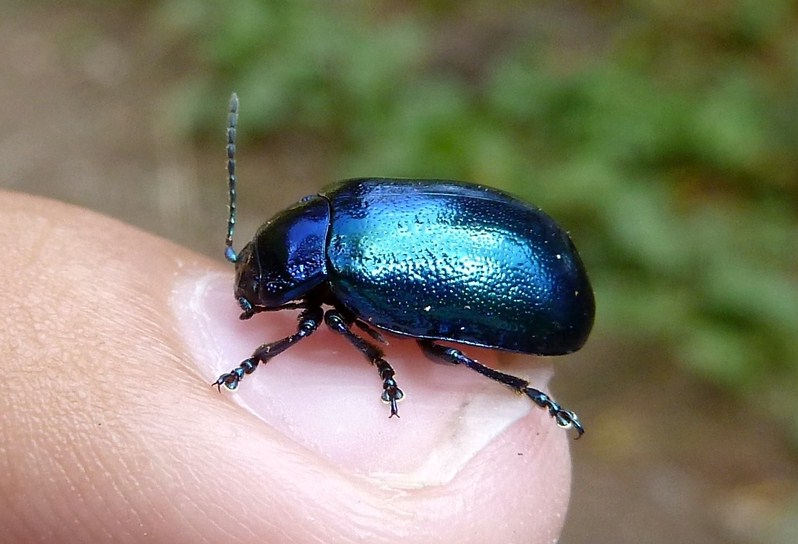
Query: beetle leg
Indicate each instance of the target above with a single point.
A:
(368, 329)
(309, 321)
(390, 391)
(565, 418)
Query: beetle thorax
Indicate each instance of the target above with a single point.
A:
(286, 260)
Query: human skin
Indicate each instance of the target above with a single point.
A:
(110, 430)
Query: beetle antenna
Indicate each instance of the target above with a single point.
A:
(232, 125)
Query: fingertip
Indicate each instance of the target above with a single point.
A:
(464, 452)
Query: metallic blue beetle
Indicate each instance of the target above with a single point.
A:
(428, 259)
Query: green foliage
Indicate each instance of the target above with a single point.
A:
(664, 134)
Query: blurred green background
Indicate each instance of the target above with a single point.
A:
(662, 135)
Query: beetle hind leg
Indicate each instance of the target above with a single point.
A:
(309, 321)
(564, 418)
(390, 391)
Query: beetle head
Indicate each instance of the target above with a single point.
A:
(286, 260)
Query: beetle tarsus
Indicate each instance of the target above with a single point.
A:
(231, 379)
(564, 418)
(390, 391)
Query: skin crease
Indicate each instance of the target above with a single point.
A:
(111, 432)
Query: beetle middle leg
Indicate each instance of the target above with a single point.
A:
(390, 391)
(309, 321)
(565, 418)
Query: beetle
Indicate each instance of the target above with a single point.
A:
(432, 260)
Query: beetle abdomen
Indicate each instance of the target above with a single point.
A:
(460, 262)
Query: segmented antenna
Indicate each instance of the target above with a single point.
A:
(232, 125)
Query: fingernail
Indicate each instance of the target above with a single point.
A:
(322, 393)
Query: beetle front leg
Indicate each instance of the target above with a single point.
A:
(390, 391)
(309, 321)
(564, 418)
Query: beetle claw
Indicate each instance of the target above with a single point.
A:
(392, 394)
(567, 419)
(564, 418)
(229, 380)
